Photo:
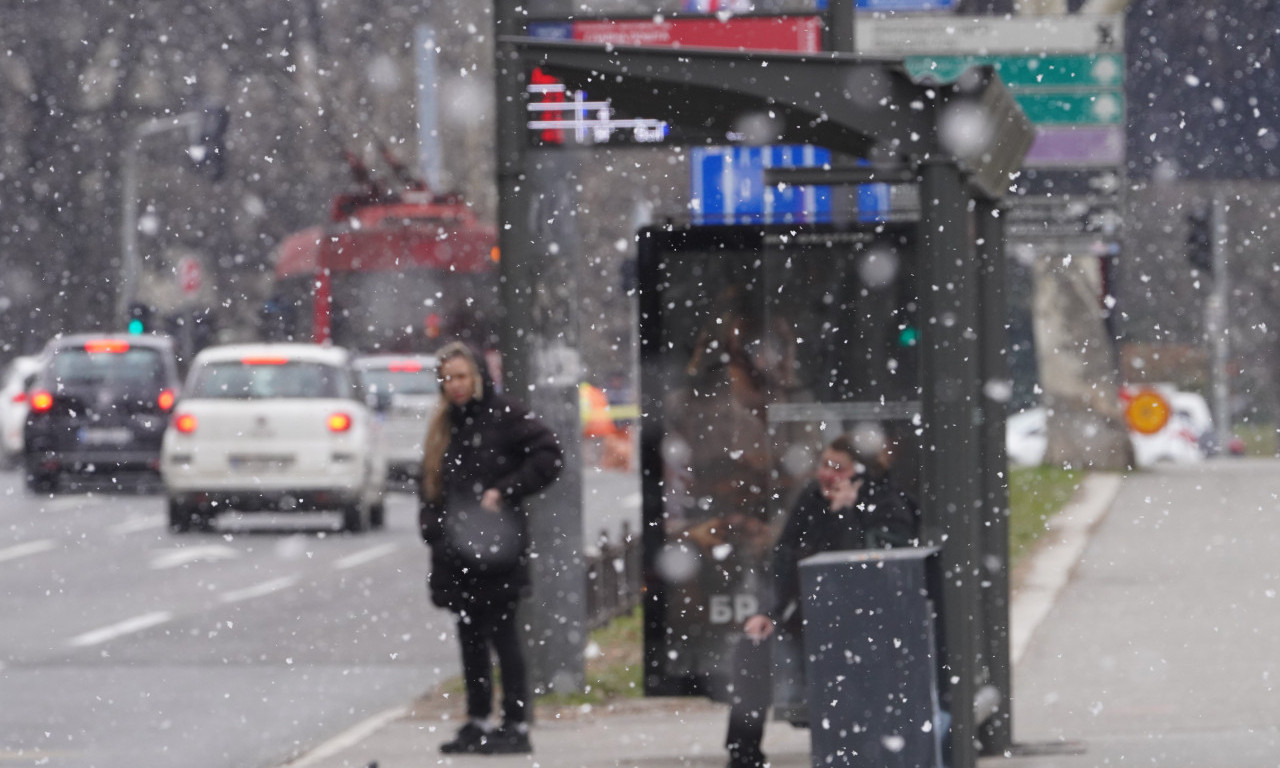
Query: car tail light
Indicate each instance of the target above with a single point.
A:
(20, 398)
(405, 366)
(339, 422)
(110, 346)
(41, 401)
(166, 399)
(185, 423)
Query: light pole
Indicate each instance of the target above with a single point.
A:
(130, 264)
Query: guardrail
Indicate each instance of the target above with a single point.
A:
(613, 577)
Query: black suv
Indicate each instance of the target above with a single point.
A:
(99, 406)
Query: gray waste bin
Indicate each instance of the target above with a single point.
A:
(871, 666)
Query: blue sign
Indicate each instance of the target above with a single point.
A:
(906, 5)
(728, 186)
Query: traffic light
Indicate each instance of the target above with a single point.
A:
(207, 148)
(1200, 241)
(139, 317)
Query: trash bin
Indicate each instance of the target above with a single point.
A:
(870, 640)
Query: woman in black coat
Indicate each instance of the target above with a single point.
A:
(483, 455)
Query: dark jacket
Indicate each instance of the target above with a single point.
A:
(881, 517)
(494, 443)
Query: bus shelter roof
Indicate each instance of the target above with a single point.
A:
(847, 103)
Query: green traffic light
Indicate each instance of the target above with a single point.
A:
(908, 336)
(135, 326)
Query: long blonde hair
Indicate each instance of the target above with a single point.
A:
(437, 440)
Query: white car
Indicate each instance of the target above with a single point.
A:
(410, 384)
(14, 385)
(273, 427)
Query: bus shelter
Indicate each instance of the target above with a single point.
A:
(759, 343)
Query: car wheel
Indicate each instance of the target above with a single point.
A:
(356, 517)
(378, 514)
(42, 483)
(188, 517)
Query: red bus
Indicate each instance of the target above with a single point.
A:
(396, 272)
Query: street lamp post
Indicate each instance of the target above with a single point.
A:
(130, 263)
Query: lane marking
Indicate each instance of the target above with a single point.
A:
(349, 738)
(26, 548)
(121, 628)
(172, 558)
(136, 524)
(258, 590)
(364, 556)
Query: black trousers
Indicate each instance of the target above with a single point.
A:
(750, 698)
(484, 627)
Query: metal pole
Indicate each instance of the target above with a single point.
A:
(130, 261)
(1216, 321)
(997, 731)
(541, 361)
(951, 494)
(129, 266)
(429, 160)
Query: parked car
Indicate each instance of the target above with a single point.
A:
(274, 427)
(98, 406)
(410, 384)
(14, 383)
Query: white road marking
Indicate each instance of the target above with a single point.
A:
(120, 628)
(364, 556)
(135, 524)
(172, 558)
(349, 738)
(26, 548)
(258, 590)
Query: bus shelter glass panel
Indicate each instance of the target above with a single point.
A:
(758, 346)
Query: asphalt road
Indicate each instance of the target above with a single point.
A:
(121, 644)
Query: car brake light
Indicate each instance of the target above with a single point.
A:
(264, 360)
(405, 366)
(41, 401)
(20, 398)
(110, 346)
(185, 423)
(339, 422)
(166, 399)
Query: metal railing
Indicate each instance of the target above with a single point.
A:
(613, 577)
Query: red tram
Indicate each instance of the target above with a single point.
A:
(393, 271)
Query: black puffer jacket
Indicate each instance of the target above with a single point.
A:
(494, 443)
(882, 516)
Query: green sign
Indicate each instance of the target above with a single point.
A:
(1088, 107)
(1062, 89)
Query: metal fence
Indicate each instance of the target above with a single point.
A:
(613, 578)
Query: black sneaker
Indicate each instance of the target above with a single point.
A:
(470, 739)
(507, 740)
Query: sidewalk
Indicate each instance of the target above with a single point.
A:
(1143, 633)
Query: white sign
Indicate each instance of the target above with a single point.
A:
(985, 35)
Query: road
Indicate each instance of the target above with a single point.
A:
(121, 644)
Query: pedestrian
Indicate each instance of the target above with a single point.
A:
(843, 507)
(483, 455)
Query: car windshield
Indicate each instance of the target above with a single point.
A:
(402, 381)
(117, 368)
(250, 380)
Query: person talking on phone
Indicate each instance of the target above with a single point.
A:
(843, 507)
